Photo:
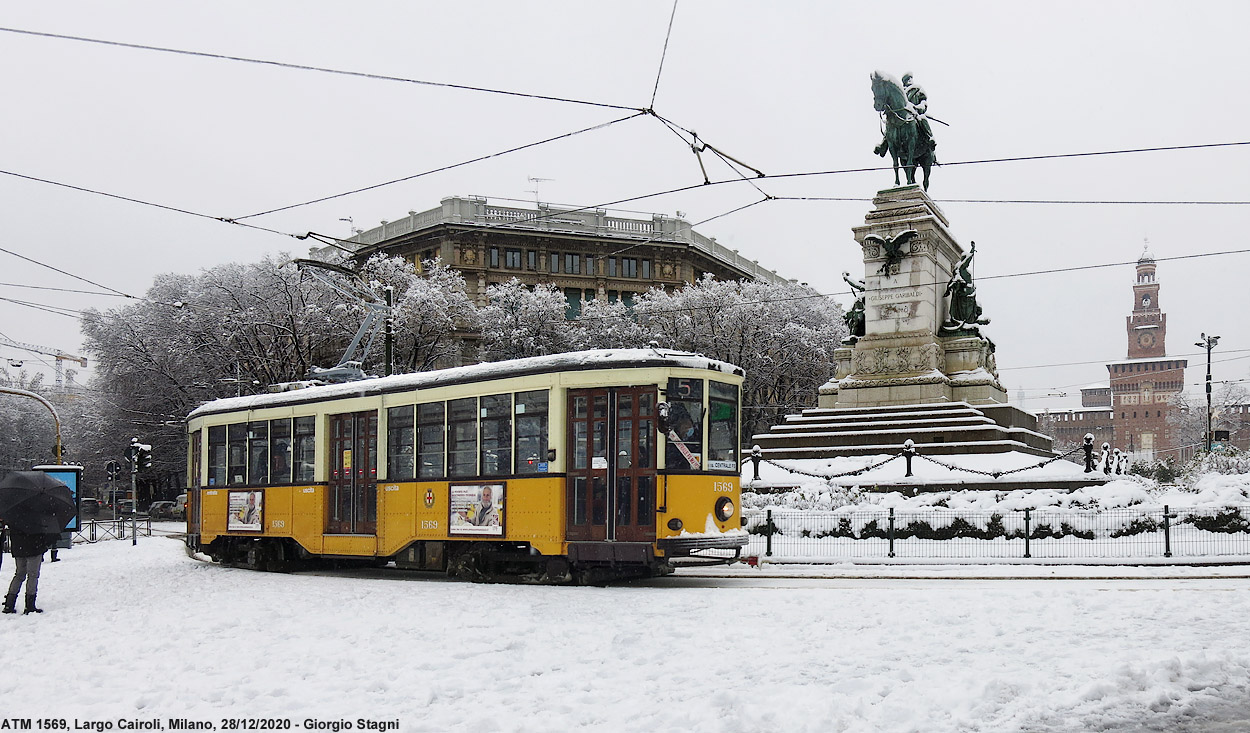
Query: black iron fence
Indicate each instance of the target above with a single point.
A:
(1114, 535)
(120, 528)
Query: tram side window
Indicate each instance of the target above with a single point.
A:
(430, 439)
(462, 429)
(722, 437)
(258, 453)
(193, 459)
(400, 443)
(279, 451)
(496, 435)
(217, 455)
(236, 437)
(305, 449)
(685, 425)
(531, 431)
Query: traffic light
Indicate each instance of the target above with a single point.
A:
(114, 470)
(139, 455)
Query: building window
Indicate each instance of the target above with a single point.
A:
(590, 265)
(531, 260)
(512, 259)
(573, 303)
(629, 267)
(573, 263)
(555, 263)
(588, 295)
(611, 267)
(613, 296)
(494, 257)
(646, 269)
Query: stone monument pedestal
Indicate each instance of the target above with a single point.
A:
(915, 373)
(906, 356)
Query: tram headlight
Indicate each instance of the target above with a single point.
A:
(674, 524)
(724, 508)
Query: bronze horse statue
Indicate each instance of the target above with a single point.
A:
(902, 135)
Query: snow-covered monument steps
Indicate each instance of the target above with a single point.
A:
(953, 428)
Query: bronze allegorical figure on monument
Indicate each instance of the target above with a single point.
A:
(855, 319)
(964, 312)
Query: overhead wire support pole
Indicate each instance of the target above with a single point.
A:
(56, 419)
(390, 330)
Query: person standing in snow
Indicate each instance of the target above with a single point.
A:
(27, 551)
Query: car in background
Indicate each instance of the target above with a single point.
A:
(162, 510)
(89, 507)
(124, 506)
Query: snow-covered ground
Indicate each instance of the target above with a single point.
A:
(146, 633)
(1209, 490)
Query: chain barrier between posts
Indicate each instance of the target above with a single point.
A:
(951, 466)
(999, 474)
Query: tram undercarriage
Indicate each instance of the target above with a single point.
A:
(588, 563)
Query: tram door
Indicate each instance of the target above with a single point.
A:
(611, 466)
(353, 473)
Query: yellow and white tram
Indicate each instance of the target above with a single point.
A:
(576, 467)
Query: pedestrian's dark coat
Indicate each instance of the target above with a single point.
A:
(22, 544)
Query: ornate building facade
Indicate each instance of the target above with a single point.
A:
(587, 253)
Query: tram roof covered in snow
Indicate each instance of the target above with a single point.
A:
(570, 361)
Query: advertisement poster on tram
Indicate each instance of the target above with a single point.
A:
(476, 509)
(245, 511)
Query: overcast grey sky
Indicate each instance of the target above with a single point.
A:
(781, 86)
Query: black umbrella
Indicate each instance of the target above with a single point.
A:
(35, 503)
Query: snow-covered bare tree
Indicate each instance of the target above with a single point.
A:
(605, 324)
(431, 308)
(519, 322)
(1228, 412)
(783, 336)
(232, 329)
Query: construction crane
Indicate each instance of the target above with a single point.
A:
(59, 354)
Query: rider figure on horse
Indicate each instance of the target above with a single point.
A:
(920, 100)
(920, 105)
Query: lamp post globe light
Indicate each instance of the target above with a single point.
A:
(1208, 343)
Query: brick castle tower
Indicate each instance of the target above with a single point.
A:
(1143, 385)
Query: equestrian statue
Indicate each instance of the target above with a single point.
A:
(907, 135)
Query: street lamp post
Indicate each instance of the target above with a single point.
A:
(1208, 343)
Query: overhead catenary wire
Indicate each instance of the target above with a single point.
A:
(663, 54)
(320, 69)
(441, 169)
(33, 261)
(617, 202)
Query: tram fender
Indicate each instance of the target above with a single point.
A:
(630, 553)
